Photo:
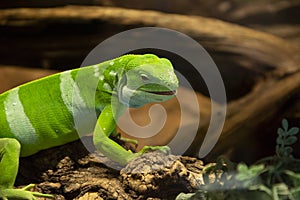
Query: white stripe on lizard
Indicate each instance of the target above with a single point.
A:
(84, 118)
(17, 119)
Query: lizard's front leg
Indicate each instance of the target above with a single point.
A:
(106, 125)
(9, 163)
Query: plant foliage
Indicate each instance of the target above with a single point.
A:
(276, 177)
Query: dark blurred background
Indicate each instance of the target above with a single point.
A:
(56, 41)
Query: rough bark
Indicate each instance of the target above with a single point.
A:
(71, 172)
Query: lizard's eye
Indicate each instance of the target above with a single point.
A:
(144, 77)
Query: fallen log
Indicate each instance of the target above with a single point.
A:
(213, 34)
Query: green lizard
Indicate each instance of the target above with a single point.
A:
(41, 114)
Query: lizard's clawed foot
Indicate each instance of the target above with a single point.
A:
(24, 193)
(126, 140)
(132, 141)
(163, 149)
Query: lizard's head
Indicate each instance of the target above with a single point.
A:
(148, 78)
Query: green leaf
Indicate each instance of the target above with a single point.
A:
(285, 124)
(257, 169)
(263, 188)
(248, 173)
(293, 131)
(288, 150)
(183, 196)
(242, 167)
(281, 189)
(294, 177)
(279, 140)
(281, 132)
(295, 192)
(292, 174)
(290, 140)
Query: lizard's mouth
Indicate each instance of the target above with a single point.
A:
(170, 92)
(158, 89)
